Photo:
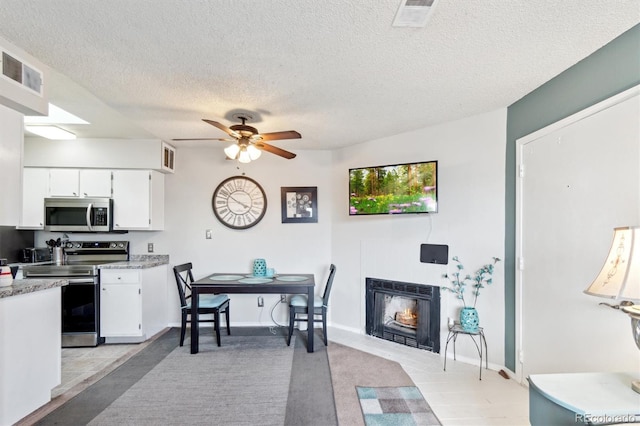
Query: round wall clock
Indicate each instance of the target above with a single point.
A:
(239, 202)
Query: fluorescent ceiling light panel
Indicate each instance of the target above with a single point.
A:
(414, 13)
(56, 116)
(50, 132)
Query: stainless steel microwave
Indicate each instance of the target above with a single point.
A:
(78, 214)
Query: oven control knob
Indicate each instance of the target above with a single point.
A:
(68, 245)
(78, 245)
(112, 245)
(120, 245)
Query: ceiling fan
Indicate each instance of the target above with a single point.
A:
(249, 143)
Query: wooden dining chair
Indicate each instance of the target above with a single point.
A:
(209, 303)
(298, 306)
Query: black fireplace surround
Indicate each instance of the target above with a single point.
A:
(425, 302)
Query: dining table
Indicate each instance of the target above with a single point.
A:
(239, 283)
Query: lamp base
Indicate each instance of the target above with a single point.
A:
(635, 385)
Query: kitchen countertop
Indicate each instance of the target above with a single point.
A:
(138, 261)
(26, 286)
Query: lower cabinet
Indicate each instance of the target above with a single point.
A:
(133, 303)
(30, 358)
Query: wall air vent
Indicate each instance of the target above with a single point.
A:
(21, 73)
(414, 13)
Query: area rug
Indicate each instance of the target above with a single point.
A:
(395, 406)
(350, 368)
(253, 378)
(246, 380)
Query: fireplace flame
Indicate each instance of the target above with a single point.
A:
(407, 317)
(408, 313)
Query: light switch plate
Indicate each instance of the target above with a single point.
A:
(207, 234)
(150, 247)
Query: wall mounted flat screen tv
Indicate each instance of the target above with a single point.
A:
(394, 189)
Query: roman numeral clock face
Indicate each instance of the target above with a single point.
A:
(239, 202)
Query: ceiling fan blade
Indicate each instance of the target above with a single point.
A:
(205, 139)
(275, 150)
(222, 127)
(287, 134)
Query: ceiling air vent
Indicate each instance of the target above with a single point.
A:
(21, 73)
(414, 13)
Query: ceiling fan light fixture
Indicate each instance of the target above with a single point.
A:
(254, 153)
(232, 151)
(244, 157)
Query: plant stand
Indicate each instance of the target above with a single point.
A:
(456, 330)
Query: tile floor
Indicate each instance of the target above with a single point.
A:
(81, 364)
(456, 396)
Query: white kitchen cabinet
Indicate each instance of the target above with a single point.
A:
(64, 183)
(11, 135)
(35, 182)
(133, 303)
(138, 200)
(80, 183)
(31, 358)
(95, 183)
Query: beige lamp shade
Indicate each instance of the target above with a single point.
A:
(619, 277)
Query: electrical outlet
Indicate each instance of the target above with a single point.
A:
(283, 298)
(207, 234)
(260, 302)
(150, 247)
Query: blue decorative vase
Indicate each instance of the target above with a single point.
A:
(469, 319)
(259, 268)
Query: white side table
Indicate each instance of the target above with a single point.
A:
(583, 398)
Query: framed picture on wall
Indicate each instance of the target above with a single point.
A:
(299, 204)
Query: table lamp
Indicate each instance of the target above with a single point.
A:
(619, 279)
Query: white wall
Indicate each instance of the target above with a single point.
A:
(471, 169)
(94, 153)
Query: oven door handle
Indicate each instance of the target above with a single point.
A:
(88, 279)
(73, 281)
(89, 208)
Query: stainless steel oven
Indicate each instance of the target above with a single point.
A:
(81, 298)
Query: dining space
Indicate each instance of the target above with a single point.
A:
(207, 300)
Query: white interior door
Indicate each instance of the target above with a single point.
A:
(580, 179)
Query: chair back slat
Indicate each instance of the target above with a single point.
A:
(184, 278)
(327, 289)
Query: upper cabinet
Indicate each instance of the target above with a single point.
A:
(35, 182)
(138, 195)
(10, 165)
(95, 183)
(138, 200)
(64, 182)
(79, 183)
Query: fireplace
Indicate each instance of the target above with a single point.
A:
(405, 313)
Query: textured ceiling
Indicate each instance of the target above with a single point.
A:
(334, 70)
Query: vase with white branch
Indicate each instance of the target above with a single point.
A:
(458, 284)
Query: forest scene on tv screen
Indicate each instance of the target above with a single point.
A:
(397, 189)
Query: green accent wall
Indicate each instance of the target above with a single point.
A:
(610, 70)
